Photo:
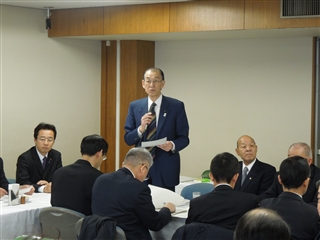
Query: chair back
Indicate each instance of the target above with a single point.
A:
(120, 234)
(59, 223)
(203, 188)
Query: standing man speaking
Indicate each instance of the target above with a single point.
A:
(157, 117)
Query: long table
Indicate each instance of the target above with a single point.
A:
(22, 219)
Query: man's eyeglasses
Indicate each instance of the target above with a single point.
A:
(155, 82)
(104, 158)
(49, 140)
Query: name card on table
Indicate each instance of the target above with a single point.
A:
(13, 194)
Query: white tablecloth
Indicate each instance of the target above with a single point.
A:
(22, 219)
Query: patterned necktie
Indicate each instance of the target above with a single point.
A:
(152, 128)
(244, 174)
(44, 160)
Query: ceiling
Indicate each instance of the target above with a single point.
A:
(227, 34)
(63, 4)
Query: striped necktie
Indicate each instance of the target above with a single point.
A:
(152, 128)
(244, 174)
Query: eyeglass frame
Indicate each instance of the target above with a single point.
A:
(147, 177)
(43, 140)
(155, 82)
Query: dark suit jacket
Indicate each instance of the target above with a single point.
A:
(29, 167)
(173, 124)
(311, 195)
(222, 207)
(203, 231)
(127, 200)
(3, 180)
(72, 186)
(258, 180)
(301, 217)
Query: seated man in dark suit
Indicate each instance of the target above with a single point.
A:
(254, 176)
(37, 165)
(223, 206)
(302, 218)
(123, 196)
(3, 181)
(311, 196)
(72, 185)
(262, 224)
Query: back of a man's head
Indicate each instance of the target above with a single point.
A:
(262, 224)
(136, 156)
(294, 171)
(92, 144)
(223, 167)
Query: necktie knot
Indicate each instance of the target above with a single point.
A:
(151, 110)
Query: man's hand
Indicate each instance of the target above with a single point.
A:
(27, 186)
(166, 146)
(171, 207)
(3, 192)
(47, 188)
(145, 121)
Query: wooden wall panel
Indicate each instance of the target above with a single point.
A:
(76, 22)
(206, 15)
(147, 18)
(136, 57)
(108, 102)
(264, 14)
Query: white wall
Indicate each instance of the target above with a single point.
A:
(259, 87)
(45, 79)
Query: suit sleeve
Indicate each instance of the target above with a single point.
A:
(182, 130)
(22, 173)
(267, 180)
(192, 217)
(272, 192)
(147, 214)
(131, 136)
(3, 180)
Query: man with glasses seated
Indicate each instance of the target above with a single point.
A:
(156, 117)
(123, 196)
(72, 184)
(37, 165)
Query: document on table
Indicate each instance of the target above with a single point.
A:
(161, 195)
(154, 143)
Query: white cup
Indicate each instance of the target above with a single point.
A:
(196, 194)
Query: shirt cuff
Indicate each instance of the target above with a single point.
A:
(41, 189)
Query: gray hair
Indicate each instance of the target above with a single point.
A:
(137, 156)
(306, 148)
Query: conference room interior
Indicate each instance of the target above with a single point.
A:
(232, 82)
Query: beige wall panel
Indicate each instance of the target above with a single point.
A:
(206, 16)
(262, 14)
(76, 22)
(149, 18)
